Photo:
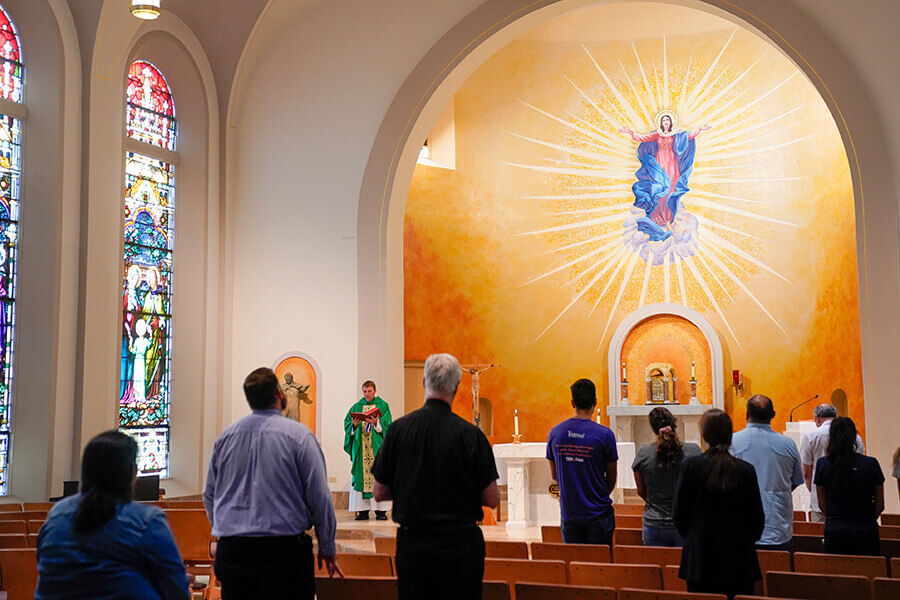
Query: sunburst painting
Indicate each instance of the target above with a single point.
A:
(627, 155)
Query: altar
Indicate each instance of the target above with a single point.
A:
(524, 469)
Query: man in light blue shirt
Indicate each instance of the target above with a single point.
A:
(778, 470)
(265, 487)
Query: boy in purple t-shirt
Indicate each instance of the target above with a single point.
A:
(583, 457)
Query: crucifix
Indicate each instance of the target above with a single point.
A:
(475, 371)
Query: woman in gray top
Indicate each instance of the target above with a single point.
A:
(655, 466)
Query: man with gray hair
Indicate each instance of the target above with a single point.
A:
(812, 447)
(439, 470)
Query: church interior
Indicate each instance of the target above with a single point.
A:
(337, 190)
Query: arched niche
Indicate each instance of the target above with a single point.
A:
(632, 321)
(305, 372)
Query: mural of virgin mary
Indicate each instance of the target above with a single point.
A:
(667, 159)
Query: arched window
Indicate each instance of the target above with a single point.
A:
(149, 232)
(11, 80)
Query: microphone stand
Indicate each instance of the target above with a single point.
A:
(791, 419)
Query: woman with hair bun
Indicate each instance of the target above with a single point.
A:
(850, 489)
(655, 466)
(718, 510)
(99, 544)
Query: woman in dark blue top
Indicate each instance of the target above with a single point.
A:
(850, 489)
(100, 545)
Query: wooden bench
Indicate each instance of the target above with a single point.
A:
(38, 515)
(890, 519)
(616, 575)
(31, 506)
(800, 515)
(890, 548)
(895, 568)
(548, 591)
(32, 526)
(671, 581)
(630, 594)
(512, 570)
(386, 545)
(628, 537)
(11, 507)
(342, 588)
(18, 573)
(840, 564)
(361, 565)
(809, 528)
(629, 509)
(192, 534)
(817, 586)
(887, 532)
(551, 534)
(771, 560)
(647, 555)
(808, 543)
(490, 590)
(185, 505)
(571, 552)
(505, 549)
(13, 527)
(886, 589)
(9, 541)
(629, 521)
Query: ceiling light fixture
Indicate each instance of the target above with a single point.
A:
(145, 9)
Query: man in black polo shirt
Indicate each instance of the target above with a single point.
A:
(439, 470)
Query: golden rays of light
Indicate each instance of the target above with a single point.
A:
(734, 218)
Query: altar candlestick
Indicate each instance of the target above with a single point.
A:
(692, 369)
(598, 416)
(516, 421)
(624, 376)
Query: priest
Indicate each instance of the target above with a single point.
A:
(364, 428)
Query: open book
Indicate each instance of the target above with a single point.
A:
(372, 412)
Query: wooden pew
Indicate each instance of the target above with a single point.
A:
(840, 564)
(628, 537)
(38, 515)
(817, 586)
(887, 532)
(11, 507)
(808, 543)
(771, 560)
(629, 509)
(494, 590)
(362, 565)
(890, 519)
(31, 506)
(629, 521)
(18, 573)
(886, 589)
(13, 527)
(551, 534)
(616, 575)
(343, 588)
(800, 515)
(385, 545)
(192, 533)
(31, 540)
(512, 570)
(647, 555)
(185, 505)
(10, 541)
(630, 594)
(895, 568)
(548, 591)
(671, 581)
(571, 552)
(505, 549)
(33, 526)
(809, 528)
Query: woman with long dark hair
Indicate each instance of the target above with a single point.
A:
(99, 544)
(718, 510)
(850, 490)
(655, 466)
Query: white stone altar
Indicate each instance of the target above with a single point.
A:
(629, 421)
(795, 431)
(524, 469)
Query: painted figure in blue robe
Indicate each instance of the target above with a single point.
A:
(667, 159)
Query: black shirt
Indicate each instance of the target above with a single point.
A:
(436, 465)
(853, 507)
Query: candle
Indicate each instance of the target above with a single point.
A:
(624, 376)
(598, 416)
(736, 376)
(692, 369)
(516, 420)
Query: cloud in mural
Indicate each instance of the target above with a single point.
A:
(662, 168)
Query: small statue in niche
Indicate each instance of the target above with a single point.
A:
(293, 394)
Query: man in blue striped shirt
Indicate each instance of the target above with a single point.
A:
(265, 487)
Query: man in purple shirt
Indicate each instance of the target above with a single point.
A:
(583, 457)
(265, 487)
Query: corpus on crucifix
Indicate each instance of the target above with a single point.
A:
(475, 371)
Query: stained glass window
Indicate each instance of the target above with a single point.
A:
(149, 220)
(11, 79)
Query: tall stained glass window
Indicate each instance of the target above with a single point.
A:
(11, 80)
(148, 225)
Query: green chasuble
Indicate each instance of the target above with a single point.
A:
(362, 445)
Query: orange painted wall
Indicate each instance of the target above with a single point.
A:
(484, 279)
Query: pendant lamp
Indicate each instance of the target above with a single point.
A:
(145, 9)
